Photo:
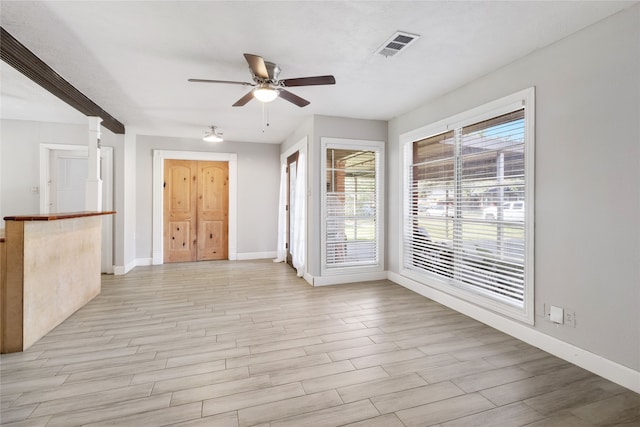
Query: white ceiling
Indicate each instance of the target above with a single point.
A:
(23, 99)
(133, 58)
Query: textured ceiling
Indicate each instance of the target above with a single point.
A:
(134, 58)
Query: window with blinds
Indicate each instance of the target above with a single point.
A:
(467, 214)
(351, 207)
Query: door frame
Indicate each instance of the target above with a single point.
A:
(293, 158)
(159, 156)
(301, 147)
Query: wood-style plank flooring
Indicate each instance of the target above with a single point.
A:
(248, 343)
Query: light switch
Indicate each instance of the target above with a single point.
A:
(556, 315)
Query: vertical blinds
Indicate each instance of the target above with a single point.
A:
(466, 214)
(351, 208)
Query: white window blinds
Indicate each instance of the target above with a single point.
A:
(351, 205)
(466, 217)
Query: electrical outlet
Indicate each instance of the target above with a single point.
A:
(570, 318)
(557, 315)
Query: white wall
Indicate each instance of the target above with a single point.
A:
(1, 181)
(125, 178)
(258, 190)
(587, 200)
(305, 129)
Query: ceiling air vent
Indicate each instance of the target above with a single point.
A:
(396, 43)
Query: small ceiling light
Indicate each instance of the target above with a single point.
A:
(265, 93)
(212, 136)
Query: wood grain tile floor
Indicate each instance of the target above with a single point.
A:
(248, 343)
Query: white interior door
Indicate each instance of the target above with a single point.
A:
(68, 176)
(67, 181)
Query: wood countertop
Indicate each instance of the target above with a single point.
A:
(55, 216)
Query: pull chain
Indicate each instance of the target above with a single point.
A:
(265, 116)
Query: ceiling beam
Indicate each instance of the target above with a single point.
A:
(22, 59)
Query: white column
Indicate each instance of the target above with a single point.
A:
(93, 188)
(128, 214)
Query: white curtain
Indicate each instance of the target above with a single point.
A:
(299, 226)
(281, 251)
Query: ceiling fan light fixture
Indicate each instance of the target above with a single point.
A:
(212, 136)
(265, 93)
(267, 86)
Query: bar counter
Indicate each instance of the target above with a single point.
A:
(50, 268)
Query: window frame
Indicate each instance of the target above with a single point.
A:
(353, 144)
(526, 99)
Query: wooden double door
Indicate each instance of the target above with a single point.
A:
(196, 210)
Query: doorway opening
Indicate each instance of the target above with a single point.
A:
(292, 209)
(292, 169)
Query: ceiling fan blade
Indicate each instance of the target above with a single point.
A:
(295, 99)
(309, 81)
(257, 65)
(221, 81)
(242, 101)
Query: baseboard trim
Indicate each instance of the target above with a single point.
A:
(255, 255)
(308, 277)
(599, 365)
(348, 278)
(156, 259)
(119, 270)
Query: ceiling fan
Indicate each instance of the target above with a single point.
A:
(267, 86)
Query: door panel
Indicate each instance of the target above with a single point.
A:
(213, 206)
(180, 235)
(71, 178)
(181, 191)
(211, 242)
(180, 179)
